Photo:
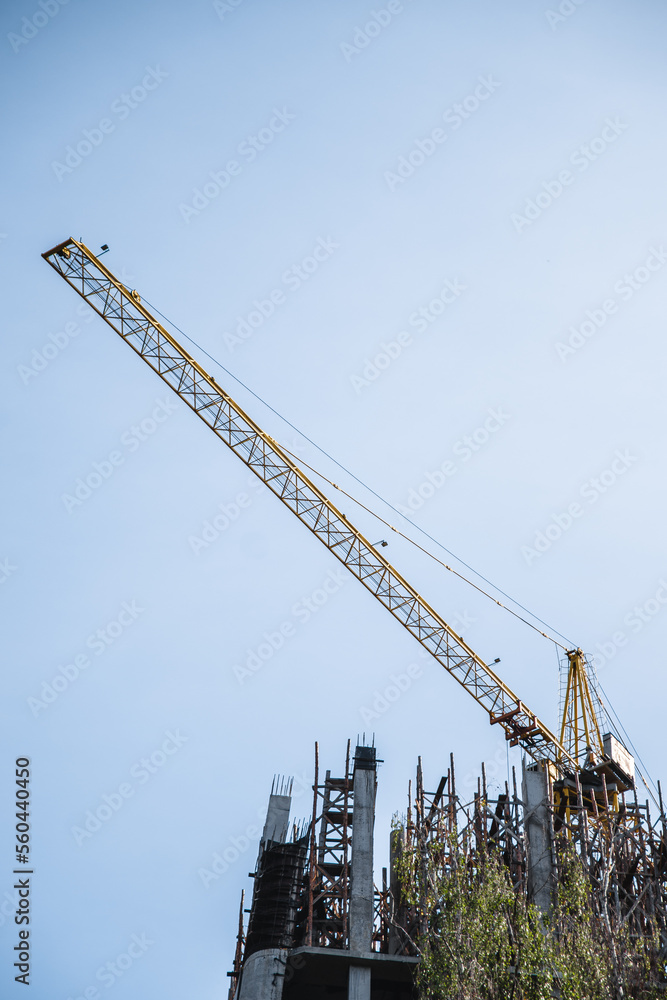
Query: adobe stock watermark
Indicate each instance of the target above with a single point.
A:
(236, 847)
(214, 527)
(401, 681)
(56, 343)
(121, 109)
(248, 150)
(130, 440)
(109, 973)
(9, 906)
(364, 34)
(636, 621)
(625, 288)
(228, 513)
(224, 7)
(98, 642)
(292, 280)
(419, 320)
(7, 569)
(32, 25)
(141, 772)
(301, 613)
(464, 449)
(454, 117)
(591, 491)
(581, 158)
(398, 684)
(495, 769)
(564, 10)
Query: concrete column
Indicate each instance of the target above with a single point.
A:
(276, 824)
(263, 975)
(539, 867)
(359, 983)
(361, 880)
(264, 971)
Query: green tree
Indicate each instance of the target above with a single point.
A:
(482, 940)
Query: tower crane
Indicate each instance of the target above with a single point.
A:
(579, 745)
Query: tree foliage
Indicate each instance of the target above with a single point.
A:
(482, 940)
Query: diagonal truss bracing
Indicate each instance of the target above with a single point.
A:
(123, 311)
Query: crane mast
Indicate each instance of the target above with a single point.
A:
(123, 310)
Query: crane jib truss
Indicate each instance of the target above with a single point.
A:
(124, 312)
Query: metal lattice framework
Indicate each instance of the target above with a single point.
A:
(124, 312)
(328, 888)
(580, 728)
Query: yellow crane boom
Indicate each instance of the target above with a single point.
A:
(123, 311)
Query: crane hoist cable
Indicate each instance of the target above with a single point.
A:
(369, 510)
(425, 551)
(382, 499)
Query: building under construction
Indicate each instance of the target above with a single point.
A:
(319, 926)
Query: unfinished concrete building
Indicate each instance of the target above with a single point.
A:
(320, 927)
(317, 924)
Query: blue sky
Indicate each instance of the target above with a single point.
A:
(484, 186)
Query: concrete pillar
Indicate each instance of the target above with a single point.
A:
(276, 824)
(264, 971)
(263, 975)
(359, 982)
(361, 878)
(539, 860)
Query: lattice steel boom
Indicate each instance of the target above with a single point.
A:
(123, 311)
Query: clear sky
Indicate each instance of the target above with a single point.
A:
(434, 237)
